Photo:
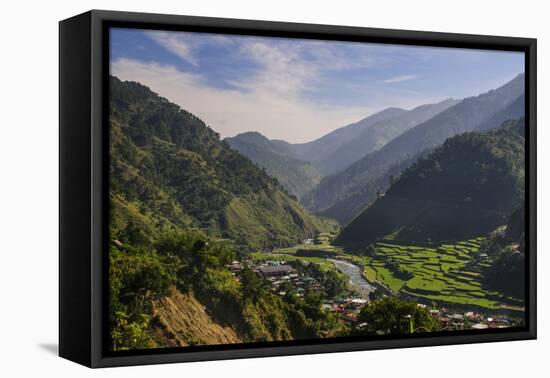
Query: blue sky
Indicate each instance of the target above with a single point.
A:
(294, 89)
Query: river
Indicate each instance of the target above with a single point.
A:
(356, 279)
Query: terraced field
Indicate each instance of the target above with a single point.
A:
(319, 244)
(446, 273)
(266, 256)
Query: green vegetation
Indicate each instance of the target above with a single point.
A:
(183, 207)
(445, 273)
(137, 277)
(465, 188)
(297, 176)
(377, 136)
(194, 263)
(393, 316)
(355, 187)
(333, 282)
(167, 162)
(506, 251)
(316, 252)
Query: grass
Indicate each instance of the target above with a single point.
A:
(311, 247)
(438, 273)
(386, 277)
(265, 256)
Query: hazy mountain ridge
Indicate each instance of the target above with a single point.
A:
(320, 148)
(467, 187)
(297, 176)
(464, 116)
(299, 167)
(166, 161)
(348, 208)
(515, 110)
(376, 136)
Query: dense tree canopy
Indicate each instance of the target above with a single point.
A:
(167, 161)
(465, 188)
(394, 316)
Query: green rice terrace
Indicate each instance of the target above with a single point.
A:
(445, 274)
(313, 251)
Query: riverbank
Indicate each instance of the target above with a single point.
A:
(357, 279)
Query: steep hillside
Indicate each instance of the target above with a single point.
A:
(515, 110)
(506, 250)
(166, 161)
(462, 117)
(181, 320)
(376, 136)
(296, 176)
(348, 208)
(467, 187)
(299, 167)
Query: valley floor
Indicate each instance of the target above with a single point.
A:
(445, 278)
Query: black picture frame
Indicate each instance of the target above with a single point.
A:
(83, 141)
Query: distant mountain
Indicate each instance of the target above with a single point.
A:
(297, 176)
(321, 148)
(377, 135)
(465, 116)
(345, 210)
(465, 188)
(515, 110)
(168, 168)
(298, 166)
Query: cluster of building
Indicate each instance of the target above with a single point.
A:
(282, 275)
(347, 308)
(279, 272)
(453, 320)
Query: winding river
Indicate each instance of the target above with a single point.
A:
(356, 279)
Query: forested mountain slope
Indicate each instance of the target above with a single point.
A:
(183, 207)
(297, 176)
(299, 167)
(515, 110)
(376, 136)
(467, 115)
(166, 161)
(465, 188)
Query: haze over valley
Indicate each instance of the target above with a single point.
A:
(274, 189)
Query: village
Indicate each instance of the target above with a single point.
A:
(283, 277)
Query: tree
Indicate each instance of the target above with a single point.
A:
(130, 332)
(137, 278)
(197, 253)
(370, 250)
(134, 234)
(394, 316)
(252, 285)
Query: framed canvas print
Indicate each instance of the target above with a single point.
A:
(233, 188)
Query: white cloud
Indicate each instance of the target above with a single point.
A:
(281, 69)
(293, 67)
(175, 44)
(269, 102)
(399, 79)
(278, 92)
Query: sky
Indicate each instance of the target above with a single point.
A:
(295, 89)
